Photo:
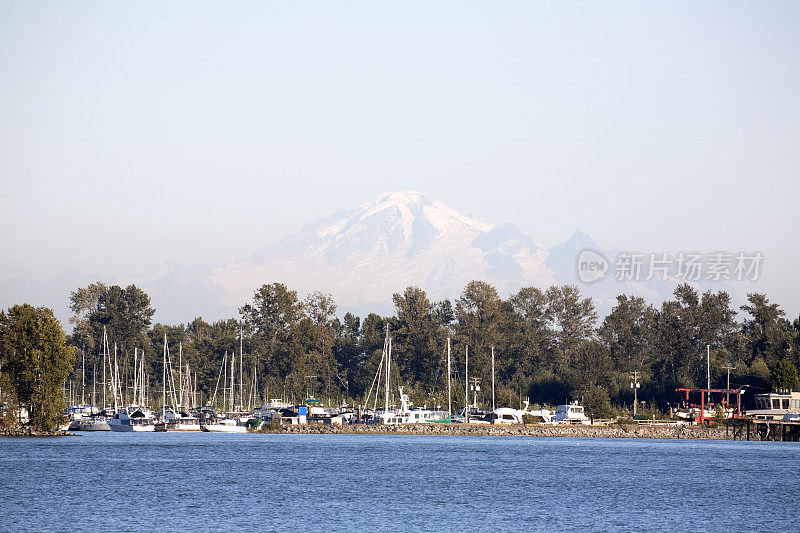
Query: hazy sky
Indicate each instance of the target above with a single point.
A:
(133, 134)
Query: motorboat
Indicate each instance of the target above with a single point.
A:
(177, 420)
(227, 425)
(88, 418)
(138, 419)
(506, 415)
(408, 415)
(571, 414)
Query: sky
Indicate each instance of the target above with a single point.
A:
(133, 134)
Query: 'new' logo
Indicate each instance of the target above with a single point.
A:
(592, 266)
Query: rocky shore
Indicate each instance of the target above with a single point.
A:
(24, 431)
(612, 431)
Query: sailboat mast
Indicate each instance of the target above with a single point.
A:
(388, 358)
(105, 352)
(233, 365)
(241, 380)
(164, 378)
(83, 376)
(180, 375)
(255, 386)
(449, 404)
(466, 387)
(143, 386)
(135, 374)
(115, 377)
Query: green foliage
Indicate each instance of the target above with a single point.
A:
(628, 333)
(37, 360)
(597, 403)
(547, 389)
(418, 337)
(784, 376)
(273, 319)
(547, 344)
(719, 416)
(767, 334)
(125, 313)
(573, 318)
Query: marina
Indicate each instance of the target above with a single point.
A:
(700, 413)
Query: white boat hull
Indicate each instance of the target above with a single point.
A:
(128, 429)
(224, 428)
(89, 425)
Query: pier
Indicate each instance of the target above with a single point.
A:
(772, 430)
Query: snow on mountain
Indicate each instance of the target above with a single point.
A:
(365, 255)
(362, 257)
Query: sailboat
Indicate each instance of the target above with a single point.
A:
(230, 423)
(406, 414)
(135, 417)
(177, 417)
(86, 417)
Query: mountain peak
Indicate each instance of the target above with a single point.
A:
(404, 197)
(412, 208)
(580, 239)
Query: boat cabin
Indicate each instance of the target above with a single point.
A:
(571, 414)
(775, 405)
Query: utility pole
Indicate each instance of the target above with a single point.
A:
(635, 387)
(308, 380)
(708, 371)
(728, 385)
(475, 387)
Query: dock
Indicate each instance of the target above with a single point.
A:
(772, 430)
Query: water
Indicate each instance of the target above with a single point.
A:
(208, 482)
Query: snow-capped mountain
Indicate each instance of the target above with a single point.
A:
(362, 257)
(365, 255)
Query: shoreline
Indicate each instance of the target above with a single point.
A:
(464, 430)
(481, 430)
(24, 431)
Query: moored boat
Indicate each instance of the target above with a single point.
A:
(138, 419)
(227, 425)
(571, 414)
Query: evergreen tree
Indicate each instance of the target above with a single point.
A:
(417, 339)
(784, 376)
(573, 319)
(273, 319)
(478, 327)
(37, 360)
(627, 332)
(532, 316)
(768, 334)
(321, 309)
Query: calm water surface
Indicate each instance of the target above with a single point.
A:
(208, 482)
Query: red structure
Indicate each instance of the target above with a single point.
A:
(699, 418)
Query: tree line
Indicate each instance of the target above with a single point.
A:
(549, 345)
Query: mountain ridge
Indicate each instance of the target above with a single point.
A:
(362, 256)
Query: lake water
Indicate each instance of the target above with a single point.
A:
(209, 482)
